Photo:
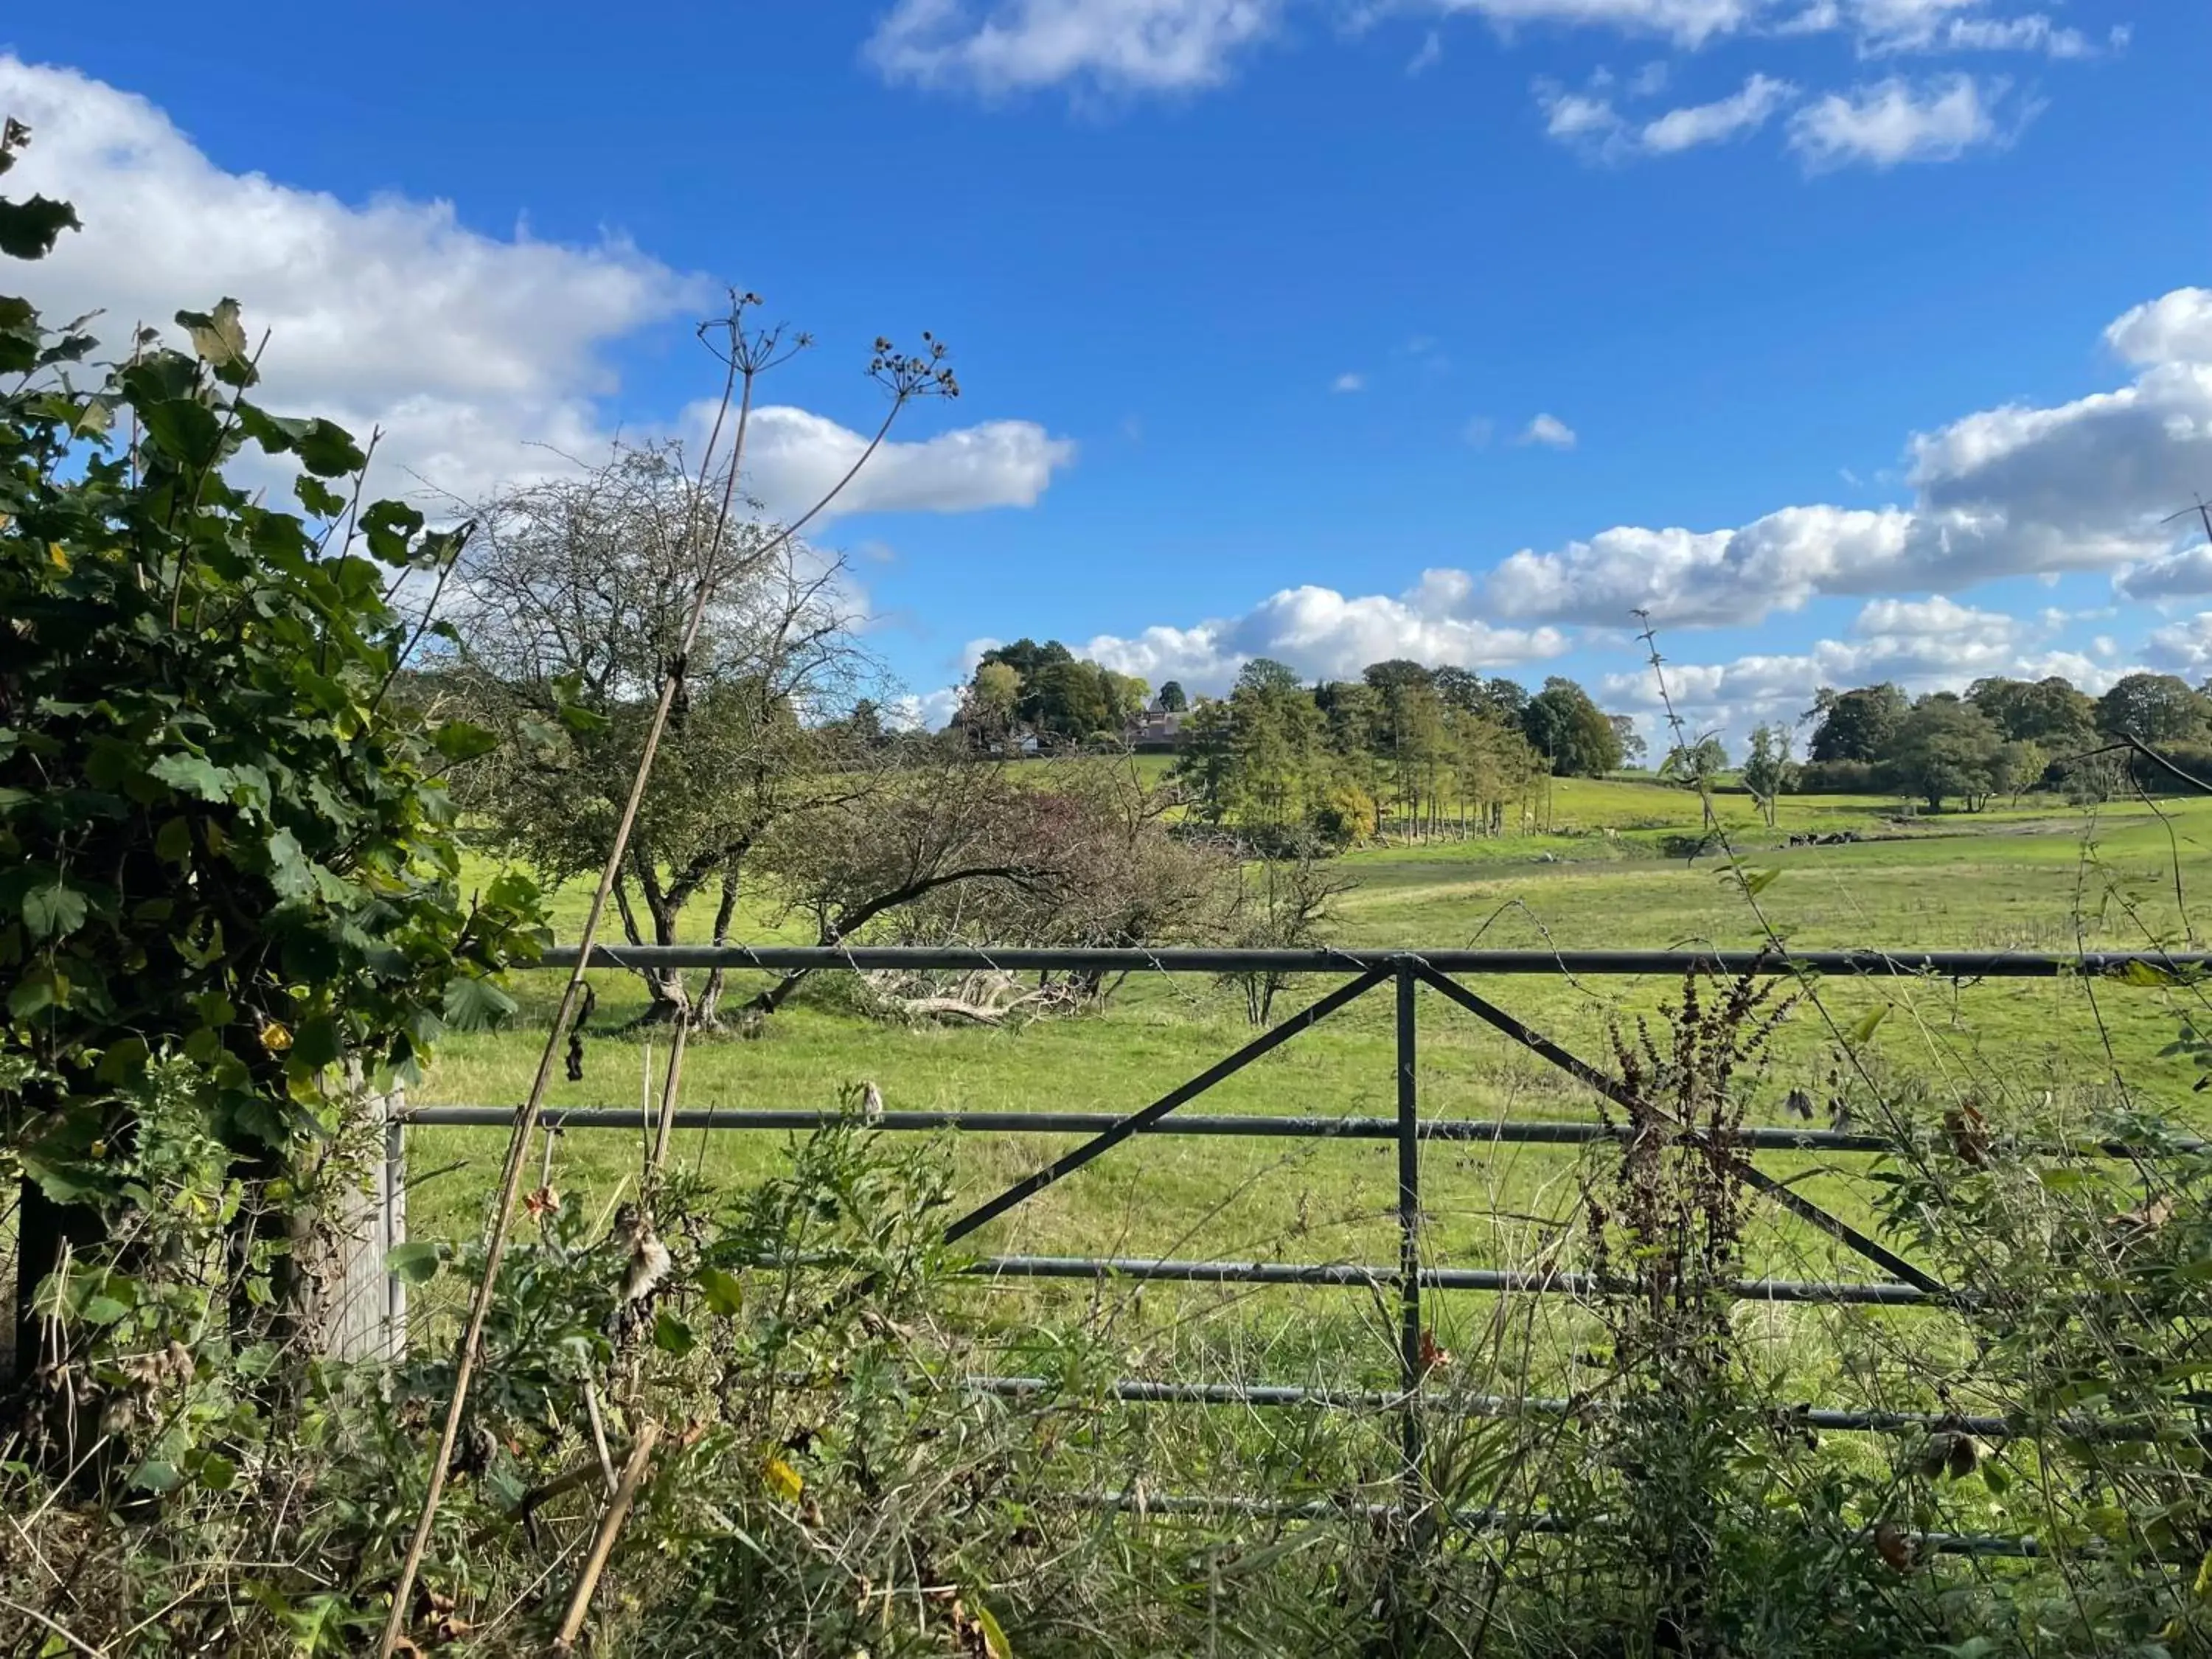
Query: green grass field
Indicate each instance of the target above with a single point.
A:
(2041, 877)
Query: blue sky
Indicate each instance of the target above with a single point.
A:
(1856, 338)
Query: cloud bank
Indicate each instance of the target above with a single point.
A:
(482, 358)
(2020, 490)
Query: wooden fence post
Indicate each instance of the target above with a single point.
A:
(365, 1307)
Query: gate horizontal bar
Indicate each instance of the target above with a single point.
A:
(1144, 1391)
(1759, 1138)
(1775, 1138)
(1950, 964)
(1438, 1279)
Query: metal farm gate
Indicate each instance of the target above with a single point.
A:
(1358, 973)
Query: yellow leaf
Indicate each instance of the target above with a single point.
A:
(994, 1640)
(274, 1037)
(59, 558)
(2204, 1577)
(782, 1478)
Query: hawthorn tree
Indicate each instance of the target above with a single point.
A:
(953, 850)
(576, 592)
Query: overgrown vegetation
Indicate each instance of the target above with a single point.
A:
(779, 1417)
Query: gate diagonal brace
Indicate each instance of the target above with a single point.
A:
(1136, 1122)
(1835, 1226)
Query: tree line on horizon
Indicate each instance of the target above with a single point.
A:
(2004, 737)
(1431, 748)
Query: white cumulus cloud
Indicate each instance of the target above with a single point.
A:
(1742, 112)
(1587, 121)
(928, 711)
(483, 358)
(1896, 121)
(462, 345)
(1931, 644)
(794, 457)
(1582, 120)
(2087, 485)
(1325, 635)
(2175, 327)
(2020, 490)
(1018, 45)
(2184, 647)
(994, 48)
(1689, 23)
(1550, 431)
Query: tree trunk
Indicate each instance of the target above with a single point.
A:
(710, 1000)
(670, 1000)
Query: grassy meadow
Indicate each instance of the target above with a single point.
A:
(2039, 876)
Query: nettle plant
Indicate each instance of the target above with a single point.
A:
(229, 874)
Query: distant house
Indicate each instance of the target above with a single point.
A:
(1157, 732)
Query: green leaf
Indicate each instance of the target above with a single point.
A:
(1866, 1024)
(726, 1298)
(317, 1043)
(2144, 973)
(995, 1644)
(173, 841)
(415, 1262)
(460, 740)
(278, 435)
(37, 991)
(193, 774)
(28, 230)
(473, 1005)
(53, 911)
(389, 527)
(328, 450)
(184, 428)
(571, 713)
(156, 1475)
(288, 865)
(512, 889)
(671, 1336)
(124, 1058)
(102, 1310)
(218, 1473)
(581, 719)
(318, 497)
